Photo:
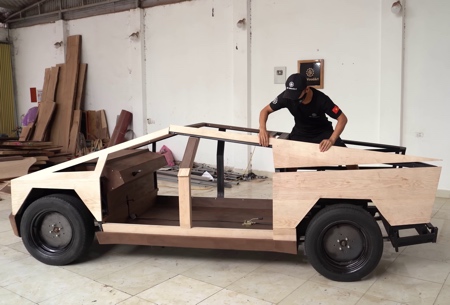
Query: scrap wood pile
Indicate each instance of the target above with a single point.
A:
(206, 175)
(54, 135)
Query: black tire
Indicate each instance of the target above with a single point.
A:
(344, 243)
(57, 229)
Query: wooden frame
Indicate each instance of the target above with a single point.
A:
(402, 192)
(313, 70)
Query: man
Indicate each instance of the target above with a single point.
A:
(308, 106)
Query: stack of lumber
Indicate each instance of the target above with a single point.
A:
(52, 138)
(96, 129)
(59, 114)
(18, 157)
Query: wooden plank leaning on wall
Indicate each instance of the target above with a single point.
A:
(66, 94)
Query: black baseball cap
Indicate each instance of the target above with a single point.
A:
(295, 84)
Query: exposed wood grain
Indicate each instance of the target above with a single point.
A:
(301, 154)
(205, 242)
(81, 86)
(402, 195)
(26, 132)
(184, 193)
(74, 131)
(53, 82)
(15, 168)
(66, 93)
(120, 130)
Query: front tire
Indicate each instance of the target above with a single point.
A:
(57, 229)
(344, 243)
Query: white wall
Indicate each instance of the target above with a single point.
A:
(191, 63)
(346, 36)
(426, 103)
(189, 67)
(34, 50)
(114, 77)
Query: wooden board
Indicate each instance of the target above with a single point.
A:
(402, 195)
(74, 131)
(46, 83)
(301, 154)
(123, 122)
(26, 132)
(15, 168)
(53, 82)
(91, 125)
(206, 242)
(66, 93)
(81, 86)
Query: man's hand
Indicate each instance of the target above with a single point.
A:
(263, 137)
(326, 144)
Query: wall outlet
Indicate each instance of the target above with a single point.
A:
(279, 75)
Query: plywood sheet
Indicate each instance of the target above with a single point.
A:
(15, 168)
(301, 154)
(403, 195)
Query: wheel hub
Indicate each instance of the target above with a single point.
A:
(55, 230)
(343, 243)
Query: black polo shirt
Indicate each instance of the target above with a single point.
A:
(310, 119)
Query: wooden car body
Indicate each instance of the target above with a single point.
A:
(118, 186)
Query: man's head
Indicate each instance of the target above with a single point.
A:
(295, 84)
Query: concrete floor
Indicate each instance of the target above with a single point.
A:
(155, 275)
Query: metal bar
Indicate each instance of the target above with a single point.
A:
(61, 10)
(220, 168)
(155, 176)
(23, 10)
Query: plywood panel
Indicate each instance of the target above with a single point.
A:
(301, 154)
(403, 195)
(15, 168)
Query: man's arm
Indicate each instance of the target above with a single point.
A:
(327, 143)
(263, 134)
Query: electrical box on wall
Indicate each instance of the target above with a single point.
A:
(279, 75)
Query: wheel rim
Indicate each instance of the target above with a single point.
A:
(51, 231)
(345, 245)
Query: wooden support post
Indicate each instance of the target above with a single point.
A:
(184, 183)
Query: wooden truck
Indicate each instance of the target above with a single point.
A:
(335, 213)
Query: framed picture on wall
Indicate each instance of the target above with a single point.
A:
(313, 70)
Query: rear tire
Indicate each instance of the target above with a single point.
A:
(57, 229)
(344, 243)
